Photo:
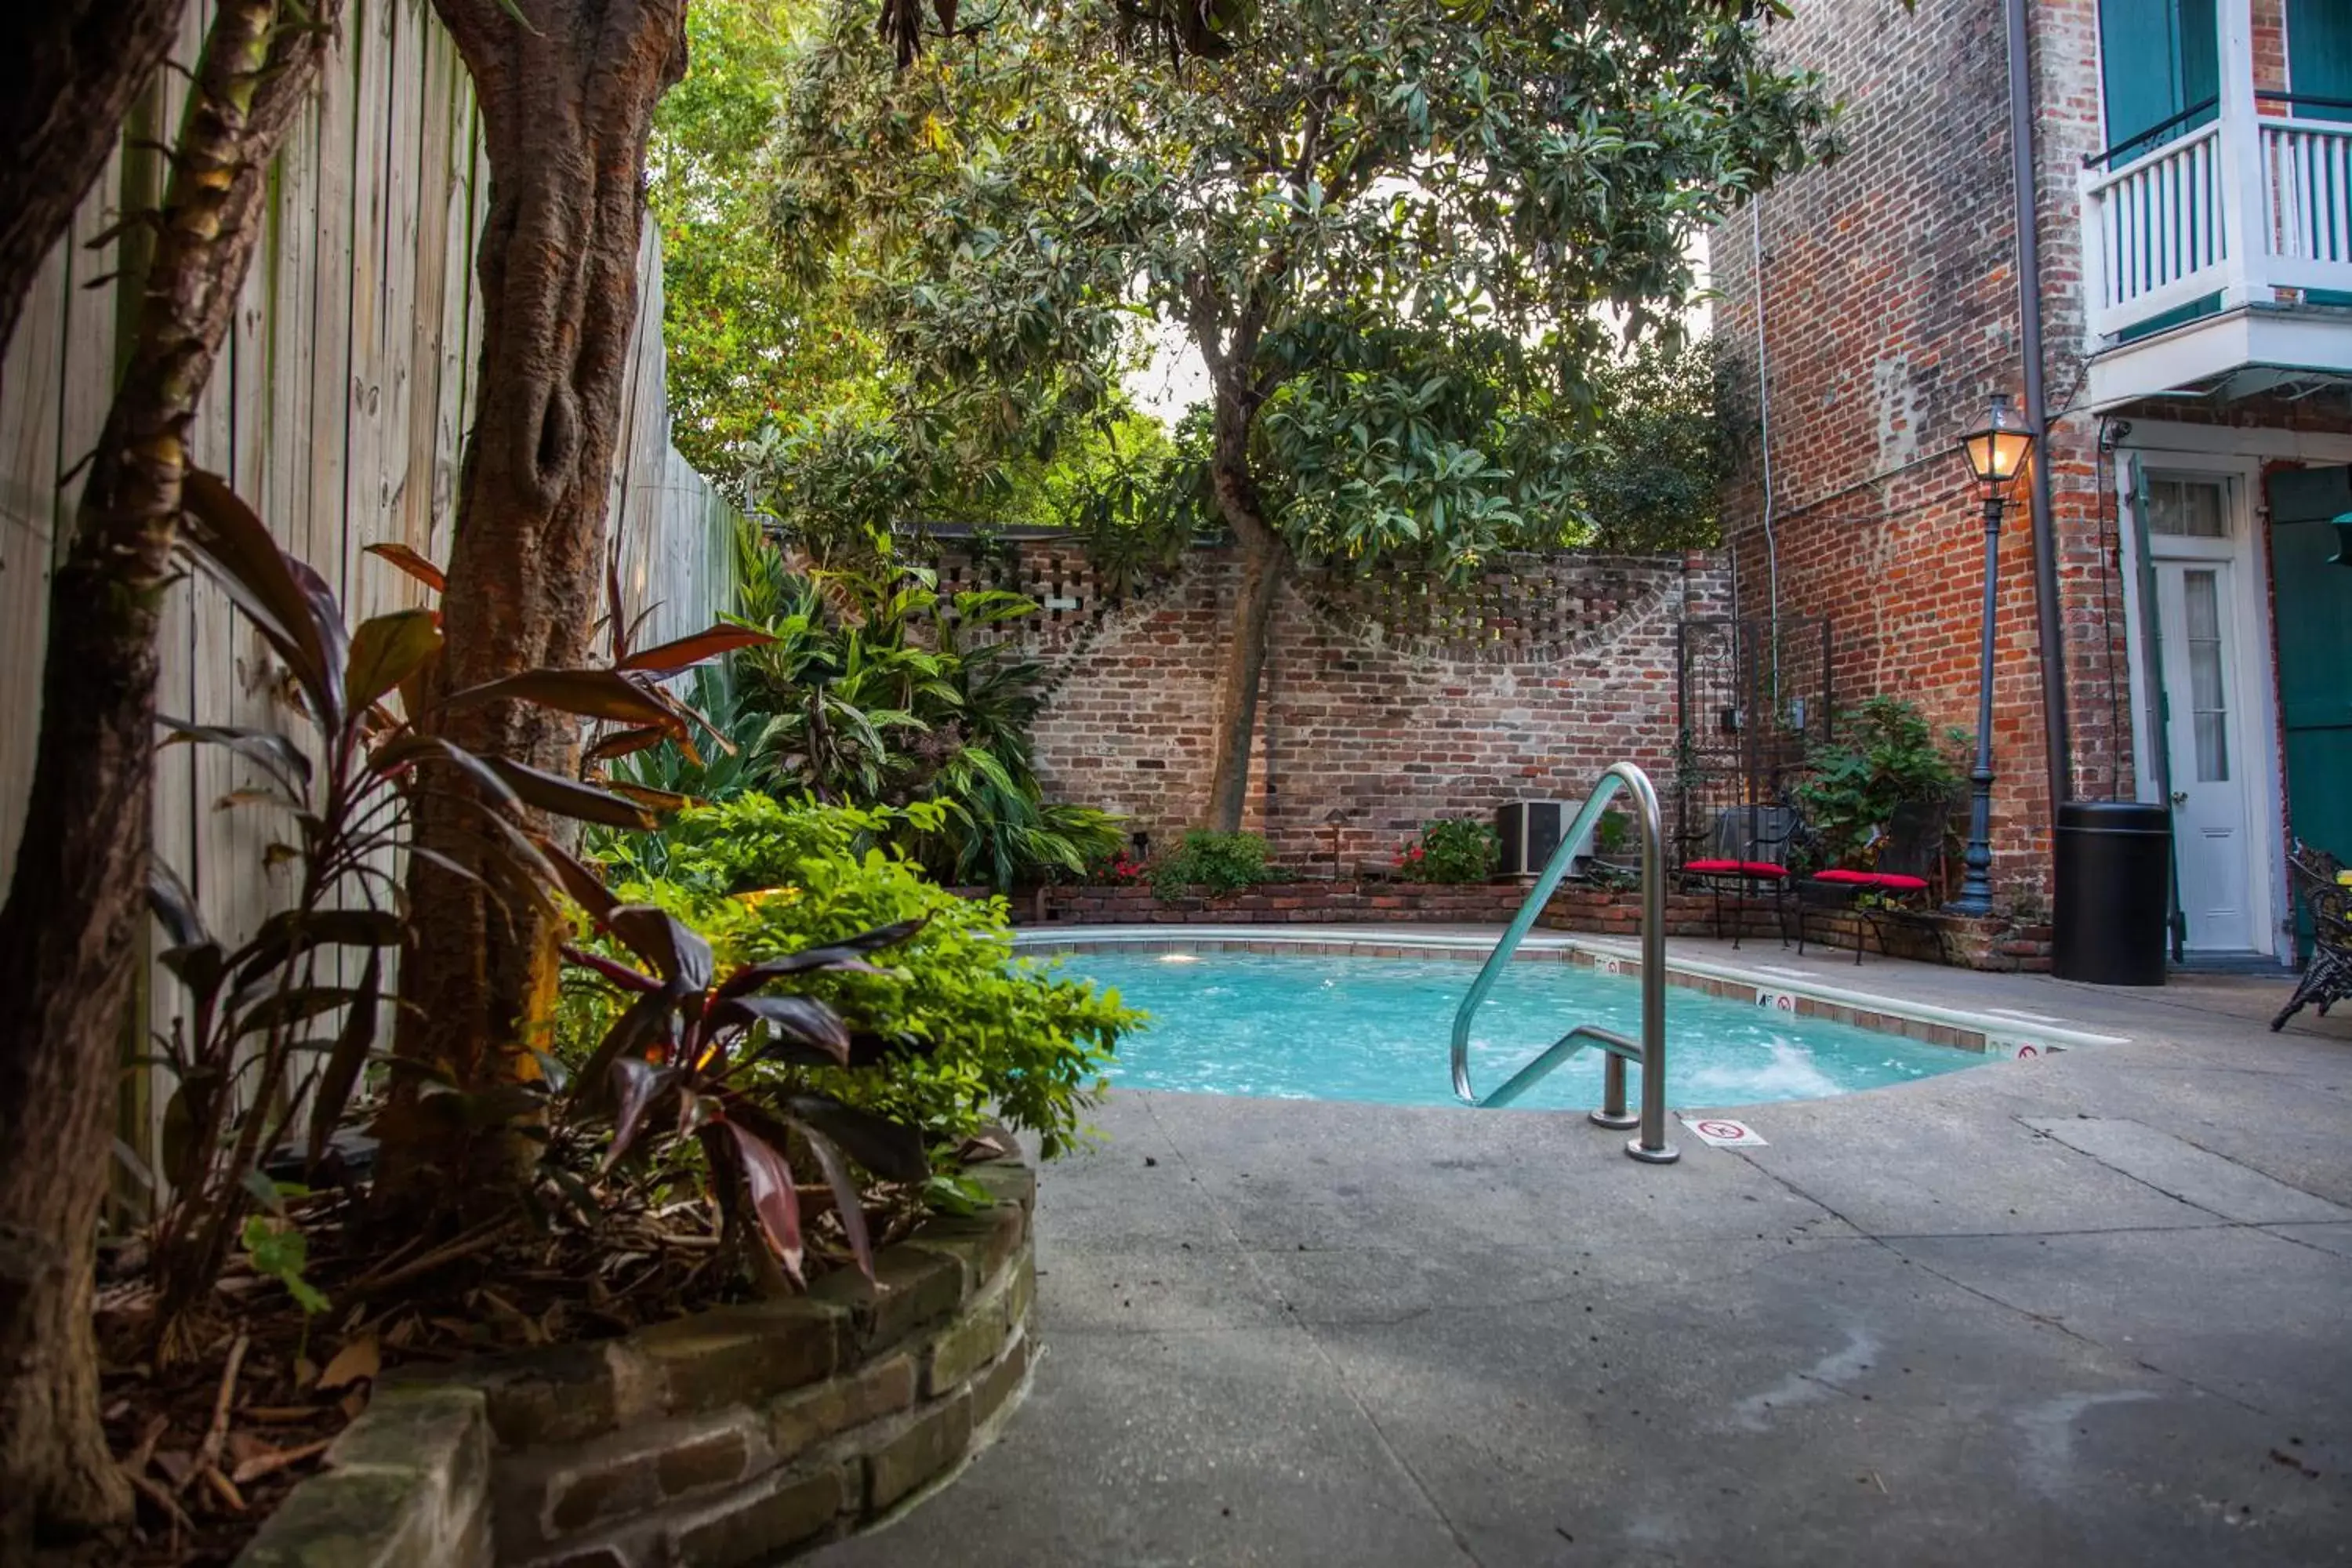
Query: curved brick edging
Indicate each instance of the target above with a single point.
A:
(733, 1436)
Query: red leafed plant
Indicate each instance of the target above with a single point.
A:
(686, 1045)
(279, 1029)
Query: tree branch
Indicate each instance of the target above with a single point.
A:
(78, 65)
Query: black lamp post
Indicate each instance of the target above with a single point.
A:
(1996, 452)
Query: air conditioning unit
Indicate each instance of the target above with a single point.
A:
(1530, 831)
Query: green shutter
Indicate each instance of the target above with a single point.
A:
(2158, 58)
(2319, 57)
(2312, 607)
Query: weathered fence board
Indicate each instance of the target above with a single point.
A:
(339, 409)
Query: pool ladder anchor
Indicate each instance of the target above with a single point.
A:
(1650, 1145)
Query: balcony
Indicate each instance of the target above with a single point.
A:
(2224, 257)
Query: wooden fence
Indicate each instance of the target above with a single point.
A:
(338, 409)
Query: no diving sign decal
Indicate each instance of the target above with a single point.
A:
(1721, 1134)
(2012, 1047)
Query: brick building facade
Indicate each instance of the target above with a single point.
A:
(1389, 700)
(2197, 285)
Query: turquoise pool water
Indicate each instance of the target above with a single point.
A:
(1378, 1029)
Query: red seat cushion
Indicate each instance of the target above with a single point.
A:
(1877, 881)
(1738, 869)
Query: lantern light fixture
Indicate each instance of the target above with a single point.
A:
(1997, 450)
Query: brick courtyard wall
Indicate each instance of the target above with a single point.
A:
(1385, 699)
(1890, 314)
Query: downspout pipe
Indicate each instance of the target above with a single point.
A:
(1764, 414)
(2050, 618)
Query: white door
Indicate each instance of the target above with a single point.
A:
(2204, 744)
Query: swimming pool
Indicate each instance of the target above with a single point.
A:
(1378, 1029)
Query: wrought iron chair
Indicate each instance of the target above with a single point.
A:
(1902, 854)
(2328, 978)
(1746, 853)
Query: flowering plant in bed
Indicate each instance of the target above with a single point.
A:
(1117, 869)
(1450, 849)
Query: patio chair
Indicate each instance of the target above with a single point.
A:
(2328, 978)
(1746, 853)
(1894, 885)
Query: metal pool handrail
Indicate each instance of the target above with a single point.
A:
(1651, 1145)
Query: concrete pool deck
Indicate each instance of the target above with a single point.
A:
(2089, 1308)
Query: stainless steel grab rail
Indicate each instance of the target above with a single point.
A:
(1651, 1145)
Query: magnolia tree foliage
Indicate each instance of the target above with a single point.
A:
(749, 338)
(778, 386)
(1387, 227)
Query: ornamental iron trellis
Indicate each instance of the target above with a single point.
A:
(1755, 698)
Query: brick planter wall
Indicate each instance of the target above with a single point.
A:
(1475, 903)
(734, 1436)
(1993, 944)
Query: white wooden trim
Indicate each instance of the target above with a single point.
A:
(2243, 206)
(2182, 357)
(2161, 441)
(2256, 692)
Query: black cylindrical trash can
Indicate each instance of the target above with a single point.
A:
(2115, 892)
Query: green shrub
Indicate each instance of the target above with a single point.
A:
(1885, 753)
(1009, 1037)
(1215, 863)
(1452, 849)
(880, 690)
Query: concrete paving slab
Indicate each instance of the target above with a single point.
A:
(1213, 1447)
(1855, 1412)
(1926, 1159)
(1401, 1174)
(2180, 1170)
(1948, 1323)
(2248, 1316)
(2335, 1238)
(1086, 1285)
(2278, 1106)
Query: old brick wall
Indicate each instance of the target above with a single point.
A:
(1385, 699)
(1890, 314)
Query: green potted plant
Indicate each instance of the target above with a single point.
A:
(1885, 755)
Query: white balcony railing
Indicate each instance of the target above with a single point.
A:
(2306, 179)
(2197, 218)
(2247, 210)
(2155, 237)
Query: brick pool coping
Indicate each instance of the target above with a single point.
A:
(1801, 997)
(737, 1435)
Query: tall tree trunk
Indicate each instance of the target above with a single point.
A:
(1264, 560)
(567, 107)
(68, 932)
(77, 65)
